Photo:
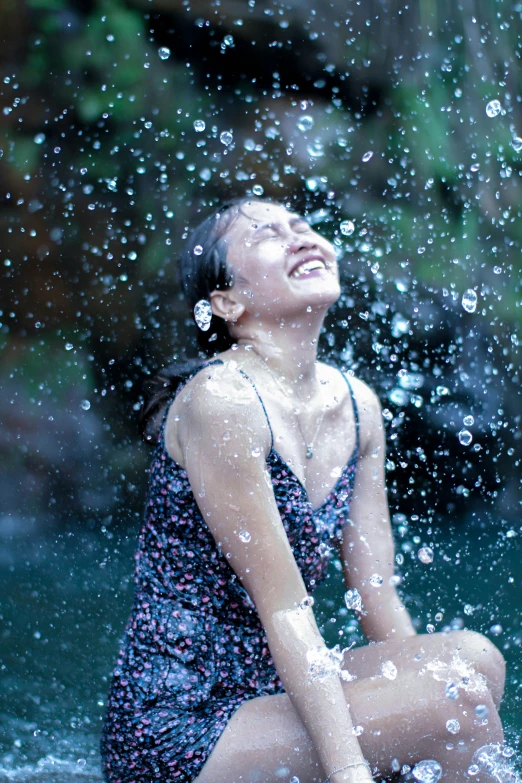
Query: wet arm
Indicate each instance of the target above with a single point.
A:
(367, 546)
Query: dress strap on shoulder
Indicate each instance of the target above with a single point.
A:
(355, 411)
(161, 432)
(249, 379)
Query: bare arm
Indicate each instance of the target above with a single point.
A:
(367, 545)
(223, 436)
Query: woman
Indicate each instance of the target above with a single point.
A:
(267, 460)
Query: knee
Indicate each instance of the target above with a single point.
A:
(484, 657)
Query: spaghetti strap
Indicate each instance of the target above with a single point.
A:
(355, 412)
(249, 379)
(161, 431)
(195, 372)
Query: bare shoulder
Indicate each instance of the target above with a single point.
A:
(219, 402)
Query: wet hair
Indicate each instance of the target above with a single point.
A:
(202, 269)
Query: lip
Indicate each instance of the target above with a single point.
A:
(304, 259)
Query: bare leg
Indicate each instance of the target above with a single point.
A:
(403, 719)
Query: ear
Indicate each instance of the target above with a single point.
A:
(225, 305)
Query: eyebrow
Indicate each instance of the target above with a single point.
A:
(276, 223)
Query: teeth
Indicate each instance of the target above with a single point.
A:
(308, 266)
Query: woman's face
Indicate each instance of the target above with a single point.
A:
(280, 265)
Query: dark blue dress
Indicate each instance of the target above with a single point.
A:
(194, 648)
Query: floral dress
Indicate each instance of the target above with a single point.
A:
(194, 648)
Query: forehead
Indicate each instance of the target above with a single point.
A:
(254, 214)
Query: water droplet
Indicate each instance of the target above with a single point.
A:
(316, 150)
(197, 250)
(294, 779)
(469, 300)
(376, 580)
(468, 609)
(452, 691)
(399, 325)
(367, 156)
(257, 190)
(473, 770)
(39, 138)
(307, 602)
(324, 662)
(336, 472)
(425, 555)
(468, 421)
(493, 108)
(85, 405)
(228, 40)
(203, 314)
(428, 771)
(496, 629)
(69, 346)
(389, 670)
(164, 52)
(453, 726)
(353, 600)
(358, 730)
(347, 228)
(226, 138)
(256, 451)
(492, 760)
(481, 711)
(465, 437)
(305, 123)
(516, 143)
(1, 153)
(199, 126)
(245, 536)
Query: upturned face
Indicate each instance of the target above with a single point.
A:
(280, 265)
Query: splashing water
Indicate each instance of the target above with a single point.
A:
(425, 555)
(453, 726)
(469, 300)
(465, 437)
(347, 228)
(226, 138)
(428, 771)
(389, 670)
(452, 691)
(493, 108)
(353, 600)
(203, 314)
(327, 662)
(305, 123)
(494, 759)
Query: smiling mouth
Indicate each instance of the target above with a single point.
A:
(306, 267)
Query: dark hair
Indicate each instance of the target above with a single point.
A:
(202, 269)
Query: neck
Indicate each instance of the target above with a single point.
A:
(288, 348)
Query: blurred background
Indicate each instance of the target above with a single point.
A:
(397, 129)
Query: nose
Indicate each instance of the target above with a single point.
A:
(297, 241)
